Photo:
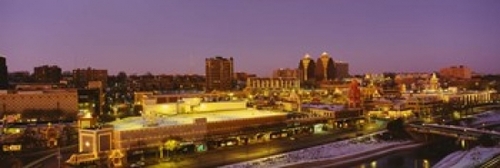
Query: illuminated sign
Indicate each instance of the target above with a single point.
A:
(7, 148)
(201, 148)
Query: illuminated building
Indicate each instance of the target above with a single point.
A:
(219, 73)
(325, 68)
(307, 66)
(354, 94)
(4, 82)
(273, 83)
(422, 103)
(425, 102)
(456, 72)
(288, 73)
(89, 102)
(133, 134)
(188, 103)
(434, 83)
(47, 74)
(81, 77)
(206, 121)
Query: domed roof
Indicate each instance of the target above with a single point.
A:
(307, 55)
(324, 54)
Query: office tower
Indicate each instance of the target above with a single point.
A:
(4, 82)
(47, 74)
(341, 70)
(325, 69)
(219, 73)
(306, 65)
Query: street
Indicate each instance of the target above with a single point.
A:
(243, 153)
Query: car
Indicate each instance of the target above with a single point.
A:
(134, 165)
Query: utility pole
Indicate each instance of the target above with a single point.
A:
(59, 156)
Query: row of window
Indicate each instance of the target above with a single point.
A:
(38, 97)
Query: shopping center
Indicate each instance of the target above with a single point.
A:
(195, 124)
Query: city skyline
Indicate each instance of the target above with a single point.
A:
(175, 37)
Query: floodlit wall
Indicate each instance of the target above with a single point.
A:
(220, 106)
(231, 126)
(193, 106)
(166, 108)
(154, 136)
(391, 114)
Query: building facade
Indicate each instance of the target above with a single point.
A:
(307, 66)
(325, 69)
(82, 77)
(20, 77)
(21, 101)
(288, 73)
(219, 73)
(273, 83)
(47, 74)
(4, 82)
(456, 72)
(341, 70)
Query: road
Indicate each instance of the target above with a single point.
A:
(254, 151)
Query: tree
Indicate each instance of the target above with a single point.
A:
(486, 140)
(396, 128)
(171, 145)
(69, 134)
(70, 116)
(106, 118)
(31, 113)
(51, 115)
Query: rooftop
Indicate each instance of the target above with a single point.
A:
(180, 119)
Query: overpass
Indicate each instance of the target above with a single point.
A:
(459, 132)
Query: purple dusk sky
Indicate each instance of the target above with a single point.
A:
(175, 37)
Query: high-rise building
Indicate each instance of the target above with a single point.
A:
(81, 77)
(219, 73)
(456, 72)
(4, 78)
(307, 66)
(325, 69)
(47, 74)
(90, 101)
(341, 70)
